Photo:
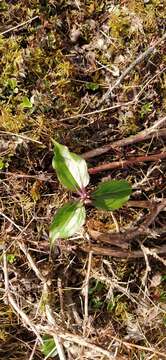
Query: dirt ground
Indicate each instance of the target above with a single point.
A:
(91, 75)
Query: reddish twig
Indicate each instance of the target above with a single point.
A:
(125, 163)
(133, 139)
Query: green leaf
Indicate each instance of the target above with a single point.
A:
(48, 348)
(71, 169)
(67, 220)
(26, 103)
(92, 86)
(111, 195)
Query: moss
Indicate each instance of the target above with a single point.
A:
(147, 13)
(119, 23)
(129, 123)
(10, 122)
(11, 59)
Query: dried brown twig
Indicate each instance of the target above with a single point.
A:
(101, 250)
(139, 59)
(123, 239)
(24, 23)
(133, 139)
(125, 163)
(86, 295)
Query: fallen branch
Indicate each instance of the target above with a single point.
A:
(139, 59)
(133, 139)
(100, 250)
(125, 163)
(122, 239)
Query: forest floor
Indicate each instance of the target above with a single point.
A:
(91, 75)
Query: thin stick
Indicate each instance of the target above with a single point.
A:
(153, 253)
(33, 351)
(115, 222)
(13, 303)
(140, 347)
(11, 221)
(57, 339)
(31, 262)
(133, 139)
(139, 59)
(147, 269)
(125, 163)
(59, 347)
(85, 291)
(20, 136)
(144, 204)
(129, 255)
(97, 111)
(19, 25)
(39, 177)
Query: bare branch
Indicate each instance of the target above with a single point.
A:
(125, 163)
(133, 139)
(122, 239)
(100, 250)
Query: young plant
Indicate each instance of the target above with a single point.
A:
(72, 173)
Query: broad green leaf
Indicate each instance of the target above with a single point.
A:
(67, 220)
(48, 348)
(71, 169)
(26, 103)
(111, 195)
